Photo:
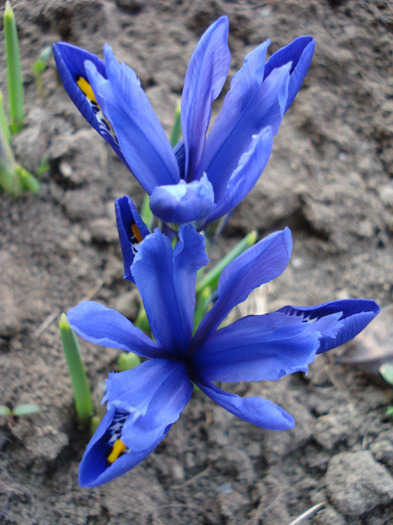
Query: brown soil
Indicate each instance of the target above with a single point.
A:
(329, 179)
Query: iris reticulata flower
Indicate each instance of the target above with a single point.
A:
(143, 403)
(204, 176)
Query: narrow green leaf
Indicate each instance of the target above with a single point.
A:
(14, 70)
(5, 411)
(202, 305)
(27, 181)
(25, 409)
(3, 119)
(9, 181)
(80, 383)
(212, 277)
(39, 67)
(176, 130)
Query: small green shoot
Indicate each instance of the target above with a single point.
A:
(386, 371)
(24, 409)
(14, 70)
(80, 383)
(39, 67)
(14, 179)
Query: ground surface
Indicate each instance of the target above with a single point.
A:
(329, 179)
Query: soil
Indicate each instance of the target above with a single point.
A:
(329, 179)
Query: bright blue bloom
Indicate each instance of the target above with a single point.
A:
(201, 179)
(143, 403)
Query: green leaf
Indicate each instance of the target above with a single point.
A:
(5, 411)
(176, 130)
(25, 409)
(14, 70)
(80, 383)
(3, 119)
(386, 371)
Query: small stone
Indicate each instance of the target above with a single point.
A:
(357, 484)
(365, 229)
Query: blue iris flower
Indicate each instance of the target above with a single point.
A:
(143, 403)
(203, 177)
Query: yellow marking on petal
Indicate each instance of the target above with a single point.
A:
(137, 234)
(117, 450)
(86, 89)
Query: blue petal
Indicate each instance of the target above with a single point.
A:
(183, 202)
(255, 410)
(258, 265)
(132, 230)
(139, 132)
(154, 394)
(245, 176)
(95, 469)
(205, 77)
(71, 65)
(251, 105)
(256, 348)
(299, 53)
(354, 316)
(106, 327)
(166, 282)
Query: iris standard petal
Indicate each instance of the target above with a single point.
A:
(245, 176)
(258, 265)
(205, 77)
(183, 202)
(132, 230)
(255, 410)
(156, 270)
(71, 65)
(232, 132)
(106, 327)
(299, 53)
(95, 469)
(154, 394)
(354, 316)
(141, 137)
(255, 348)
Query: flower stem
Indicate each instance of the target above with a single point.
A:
(211, 278)
(15, 81)
(80, 383)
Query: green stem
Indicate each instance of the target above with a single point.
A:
(201, 306)
(176, 130)
(15, 81)
(80, 383)
(146, 214)
(211, 278)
